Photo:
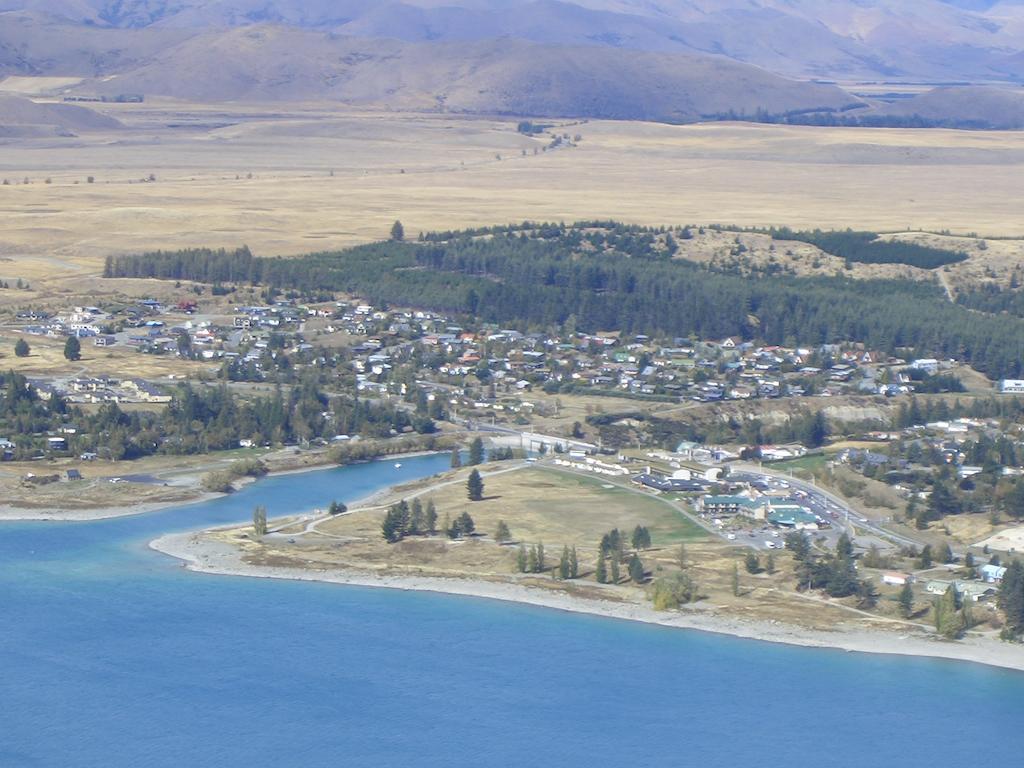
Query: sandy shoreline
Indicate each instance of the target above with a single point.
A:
(210, 557)
(18, 514)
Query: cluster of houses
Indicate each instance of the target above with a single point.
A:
(99, 324)
(989, 577)
(513, 361)
(277, 317)
(101, 389)
(56, 443)
(940, 443)
(685, 369)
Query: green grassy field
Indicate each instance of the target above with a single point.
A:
(805, 466)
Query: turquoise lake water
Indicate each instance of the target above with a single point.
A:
(113, 655)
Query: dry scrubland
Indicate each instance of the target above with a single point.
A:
(639, 172)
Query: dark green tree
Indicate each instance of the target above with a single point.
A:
(815, 430)
(906, 601)
(21, 348)
(522, 561)
(1011, 599)
(475, 486)
(752, 563)
(463, 526)
(844, 547)
(636, 569)
(601, 570)
(73, 348)
(431, 516)
(942, 502)
(397, 232)
(946, 554)
(563, 563)
(396, 522)
(925, 561)
(612, 544)
(867, 595)
(797, 543)
(476, 452)
(417, 518)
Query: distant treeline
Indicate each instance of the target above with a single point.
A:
(850, 117)
(867, 248)
(521, 279)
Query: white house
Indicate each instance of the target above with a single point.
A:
(992, 574)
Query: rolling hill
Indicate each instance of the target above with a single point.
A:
(503, 76)
(667, 60)
(24, 117)
(933, 40)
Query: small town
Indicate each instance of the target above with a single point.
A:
(577, 403)
(467, 383)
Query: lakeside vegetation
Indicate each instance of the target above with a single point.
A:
(196, 420)
(603, 276)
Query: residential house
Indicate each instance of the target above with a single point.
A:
(992, 574)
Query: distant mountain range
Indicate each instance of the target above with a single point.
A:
(836, 39)
(673, 60)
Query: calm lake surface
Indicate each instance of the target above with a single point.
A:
(113, 655)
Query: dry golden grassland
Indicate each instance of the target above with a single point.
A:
(324, 177)
(121, 362)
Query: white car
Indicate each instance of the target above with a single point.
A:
(731, 536)
(770, 544)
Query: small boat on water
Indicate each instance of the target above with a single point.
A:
(398, 465)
